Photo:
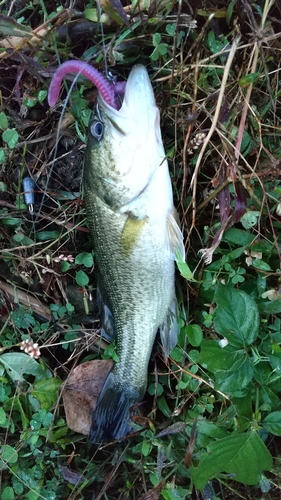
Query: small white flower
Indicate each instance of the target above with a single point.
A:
(223, 342)
(31, 348)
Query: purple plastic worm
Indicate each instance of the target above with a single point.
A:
(107, 90)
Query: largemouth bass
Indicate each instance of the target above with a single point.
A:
(136, 237)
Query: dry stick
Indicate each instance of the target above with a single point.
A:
(246, 106)
(241, 128)
(213, 127)
(196, 72)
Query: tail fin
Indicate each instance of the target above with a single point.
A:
(111, 417)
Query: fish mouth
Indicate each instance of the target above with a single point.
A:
(138, 98)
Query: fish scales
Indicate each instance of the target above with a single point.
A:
(130, 212)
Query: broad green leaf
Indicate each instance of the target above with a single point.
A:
(237, 378)
(238, 236)
(18, 364)
(236, 316)
(272, 423)
(244, 456)
(215, 357)
(8, 455)
(245, 410)
(82, 279)
(46, 391)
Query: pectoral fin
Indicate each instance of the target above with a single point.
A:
(175, 236)
(131, 234)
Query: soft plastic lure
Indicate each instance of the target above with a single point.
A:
(108, 91)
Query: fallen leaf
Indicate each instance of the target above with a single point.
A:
(81, 393)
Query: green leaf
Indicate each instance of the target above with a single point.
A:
(246, 80)
(14, 403)
(18, 364)
(270, 307)
(42, 94)
(171, 29)
(233, 236)
(237, 378)
(46, 391)
(8, 493)
(215, 357)
(85, 259)
(65, 266)
(8, 455)
(163, 406)
(236, 316)
(156, 39)
(146, 448)
(250, 219)
(3, 121)
(11, 137)
(194, 334)
(82, 279)
(11, 221)
(162, 48)
(184, 268)
(2, 155)
(244, 456)
(155, 55)
(260, 264)
(22, 319)
(3, 417)
(272, 423)
(9, 27)
(47, 235)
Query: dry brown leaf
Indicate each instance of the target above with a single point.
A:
(81, 393)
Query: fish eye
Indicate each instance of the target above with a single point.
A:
(96, 130)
